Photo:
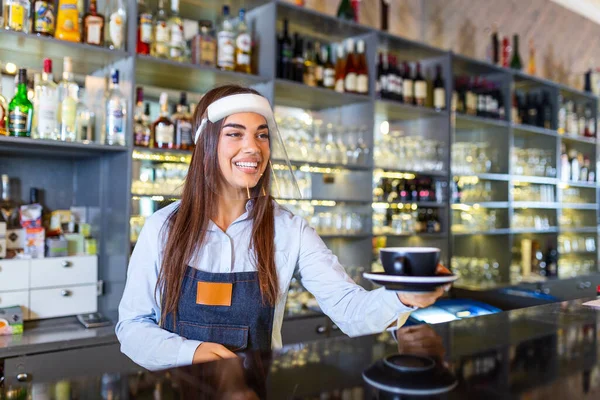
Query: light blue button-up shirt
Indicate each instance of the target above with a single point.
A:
(297, 246)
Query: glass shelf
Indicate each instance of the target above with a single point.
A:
(395, 110)
(483, 204)
(55, 148)
(464, 121)
(519, 231)
(424, 204)
(296, 94)
(494, 232)
(534, 179)
(325, 166)
(530, 129)
(586, 229)
(536, 205)
(579, 139)
(28, 51)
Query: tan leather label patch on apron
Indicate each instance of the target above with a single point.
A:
(214, 294)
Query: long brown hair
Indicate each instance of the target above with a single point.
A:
(188, 223)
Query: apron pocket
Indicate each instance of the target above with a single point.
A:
(234, 337)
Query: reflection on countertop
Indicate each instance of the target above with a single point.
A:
(548, 351)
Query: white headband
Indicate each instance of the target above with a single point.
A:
(237, 103)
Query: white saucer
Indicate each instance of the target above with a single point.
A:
(409, 279)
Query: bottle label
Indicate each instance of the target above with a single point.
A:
(207, 52)
(164, 134)
(146, 28)
(243, 42)
(94, 29)
(47, 115)
(225, 49)
(362, 83)
(287, 53)
(407, 88)
(16, 17)
(242, 59)
(162, 38)
(420, 90)
(115, 27)
(44, 17)
(350, 82)
(329, 77)
(439, 98)
(319, 73)
(185, 132)
(176, 38)
(19, 122)
(15, 238)
(68, 111)
(383, 83)
(115, 123)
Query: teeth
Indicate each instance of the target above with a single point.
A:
(247, 164)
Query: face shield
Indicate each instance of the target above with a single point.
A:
(252, 158)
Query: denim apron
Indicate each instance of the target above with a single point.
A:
(246, 324)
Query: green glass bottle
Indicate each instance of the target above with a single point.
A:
(515, 62)
(20, 109)
(345, 11)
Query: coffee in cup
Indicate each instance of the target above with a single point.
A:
(410, 261)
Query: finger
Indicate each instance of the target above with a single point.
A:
(441, 270)
(223, 352)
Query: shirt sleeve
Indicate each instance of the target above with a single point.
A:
(355, 310)
(141, 338)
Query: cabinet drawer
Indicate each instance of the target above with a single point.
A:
(304, 329)
(61, 271)
(21, 298)
(14, 274)
(59, 302)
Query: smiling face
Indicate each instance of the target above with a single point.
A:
(243, 151)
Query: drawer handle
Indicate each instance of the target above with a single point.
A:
(23, 377)
(65, 293)
(67, 264)
(321, 329)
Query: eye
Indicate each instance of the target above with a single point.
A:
(263, 136)
(233, 134)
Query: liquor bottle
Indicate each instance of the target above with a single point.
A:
(177, 45)
(243, 45)
(308, 76)
(163, 129)
(505, 52)
(439, 90)
(3, 113)
(345, 11)
(319, 64)
(531, 68)
(15, 234)
(43, 17)
(590, 130)
(328, 69)
(350, 73)
(115, 113)
(67, 102)
(141, 136)
(384, 13)
(160, 47)
(144, 29)
(340, 69)
(20, 109)
(362, 72)
(356, 8)
(495, 45)
(16, 15)
(546, 111)
(587, 85)
(225, 43)
(515, 62)
(204, 46)
(298, 60)
(116, 33)
(407, 85)
(93, 26)
(46, 112)
(575, 167)
(583, 168)
(85, 120)
(285, 53)
(420, 87)
(381, 80)
(67, 21)
(183, 125)
(397, 79)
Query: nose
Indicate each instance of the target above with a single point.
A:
(251, 145)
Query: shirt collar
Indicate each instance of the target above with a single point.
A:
(249, 205)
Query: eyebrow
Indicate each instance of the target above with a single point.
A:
(240, 126)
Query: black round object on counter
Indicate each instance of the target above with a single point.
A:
(410, 375)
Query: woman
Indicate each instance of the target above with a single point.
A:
(210, 274)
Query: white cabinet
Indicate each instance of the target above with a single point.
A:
(50, 287)
(61, 271)
(19, 298)
(14, 275)
(59, 302)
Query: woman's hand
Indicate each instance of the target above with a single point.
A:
(423, 300)
(208, 351)
(420, 340)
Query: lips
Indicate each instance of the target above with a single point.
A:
(248, 167)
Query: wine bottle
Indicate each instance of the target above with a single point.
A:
(340, 69)
(362, 72)
(439, 90)
(420, 87)
(515, 62)
(328, 69)
(351, 68)
(407, 85)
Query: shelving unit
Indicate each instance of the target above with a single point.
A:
(100, 176)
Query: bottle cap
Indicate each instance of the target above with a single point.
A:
(164, 98)
(47, 65)
(22, 75)
(67, 64)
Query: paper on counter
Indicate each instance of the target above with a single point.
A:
(593, 303)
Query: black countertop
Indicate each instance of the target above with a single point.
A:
(548, 352)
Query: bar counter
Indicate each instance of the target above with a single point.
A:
(548, 351)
